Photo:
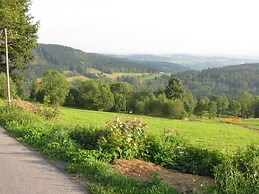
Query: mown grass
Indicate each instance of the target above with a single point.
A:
(250, 123)
(152, 76)
(205, 133)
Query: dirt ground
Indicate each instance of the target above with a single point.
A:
(185, 183)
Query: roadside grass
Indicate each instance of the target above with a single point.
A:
(233, 171)
(205, 133)
(54, 142)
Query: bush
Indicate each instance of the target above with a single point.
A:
(45, 111)
(123, 139)
(14, 114)
(87, 138)
(172, 151)
(239, 173)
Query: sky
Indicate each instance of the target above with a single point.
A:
(210, 27)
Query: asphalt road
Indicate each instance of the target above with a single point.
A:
(23, 171)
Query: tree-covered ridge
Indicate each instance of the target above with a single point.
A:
(228, 81)
(64, 58)
(195, 62)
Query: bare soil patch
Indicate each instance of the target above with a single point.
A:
(185, 183)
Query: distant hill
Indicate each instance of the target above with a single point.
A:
(191, 61)
(228, 81)
(79, 63)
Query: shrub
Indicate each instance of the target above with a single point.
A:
(14, 114)
(239, 173)
(123, 139)
(172, 151)
(87, 138)
(45, 111)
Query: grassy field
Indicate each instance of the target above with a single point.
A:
(206, 133)
(250, 123)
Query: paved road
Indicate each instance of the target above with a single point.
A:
(23, 171)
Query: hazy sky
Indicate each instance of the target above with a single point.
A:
(228, 27)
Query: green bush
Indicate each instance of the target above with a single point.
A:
(239, 173)
(123, 139)
(172, 151)
(17, 115)
(87, 138)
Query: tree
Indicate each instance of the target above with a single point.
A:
(256, 113)
(175, 89)
(122, 92)
(202, 106)
(246, 100)
(176, 109)
(212, 109)
(189, 102)
(222, 104)
(3, 87)
(22, 34)
(235, 107)
(54, 87)
(95, 95)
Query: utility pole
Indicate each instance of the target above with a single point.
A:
(7, 67)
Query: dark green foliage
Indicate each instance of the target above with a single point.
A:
(235, 108)
(212, 109)
(122, 92)
(246, 101)
(87, 138)
(222, 104)
(53, 88)
(22, 34)
(239, 172)
(159, 107)
(94, 95)
(256, 104)
(171, 151)
(175, 89)
(3, 87)
(228, 81)
(202, 106)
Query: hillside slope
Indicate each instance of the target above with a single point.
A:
(194, 62)
(228, 81)
(78, 63)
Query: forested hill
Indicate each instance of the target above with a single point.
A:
(195, 62)
(228, 81)
(64, 58)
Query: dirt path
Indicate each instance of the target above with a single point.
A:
(25, 171)
(185, 183)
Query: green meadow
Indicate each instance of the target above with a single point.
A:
(206, 133)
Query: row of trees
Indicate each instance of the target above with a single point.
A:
(172, 102)
(245, 105)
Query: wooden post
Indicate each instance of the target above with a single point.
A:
(7, 68)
